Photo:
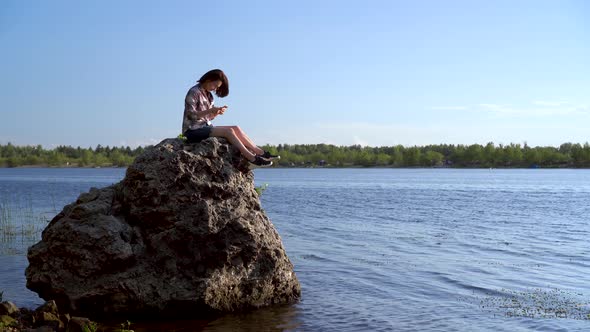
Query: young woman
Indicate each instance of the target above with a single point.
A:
(199, 112)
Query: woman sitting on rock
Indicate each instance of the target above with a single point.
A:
(199, 111)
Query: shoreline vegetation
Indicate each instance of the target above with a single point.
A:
(567, 155)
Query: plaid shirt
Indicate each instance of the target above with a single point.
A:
(196, 101)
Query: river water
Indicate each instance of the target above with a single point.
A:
(381, 249)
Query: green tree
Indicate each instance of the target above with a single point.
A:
(397, 156)
(474, 155)
(432, 158)
(363, 158)
(56, 159)
(99, 159)
(412, 156)
(14, 161)
(382, 159)
(513, 155)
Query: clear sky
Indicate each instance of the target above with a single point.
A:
(340, 72)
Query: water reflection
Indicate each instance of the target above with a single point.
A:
(280, 318)
(277, 318)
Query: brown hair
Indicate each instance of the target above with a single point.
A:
(213, 75)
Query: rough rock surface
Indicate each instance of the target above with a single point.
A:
(8, 308)
(182, 234)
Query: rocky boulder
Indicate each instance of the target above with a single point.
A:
(182, 234)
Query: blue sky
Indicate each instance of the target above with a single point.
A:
(340, 72)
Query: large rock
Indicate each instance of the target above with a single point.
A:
(182, 234)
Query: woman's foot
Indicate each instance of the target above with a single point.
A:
(268, 155)
(260, 161)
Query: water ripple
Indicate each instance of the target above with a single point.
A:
(401, 250)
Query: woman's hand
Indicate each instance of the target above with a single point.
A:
(218, 110)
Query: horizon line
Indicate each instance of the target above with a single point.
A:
(524, 143)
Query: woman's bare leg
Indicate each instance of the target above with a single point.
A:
(231, 136)
(244, 139)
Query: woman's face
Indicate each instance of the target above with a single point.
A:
(212, 85)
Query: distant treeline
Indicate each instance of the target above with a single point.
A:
(63, 156)
(442, 155)
(305, 155)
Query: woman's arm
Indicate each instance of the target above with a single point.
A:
(195, 109)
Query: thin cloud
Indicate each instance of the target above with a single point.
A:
(376, 134)
(549, 103)
(548, 109)
(537, 108)
(139, 142)
(390, 134)
(496, 108)
(448, 108)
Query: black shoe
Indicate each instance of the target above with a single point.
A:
(259, 161)
(267, 155)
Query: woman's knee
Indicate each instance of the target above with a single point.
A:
(224, 132)
(229, 132)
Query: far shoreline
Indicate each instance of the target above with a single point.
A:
(313, 167)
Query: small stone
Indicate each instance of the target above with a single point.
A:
(50, 307)
(7, 320)
(8, 308)
(25, 316)
(48, 319)
(77, 324)
(65, 318)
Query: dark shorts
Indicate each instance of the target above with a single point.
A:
(197, 135)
